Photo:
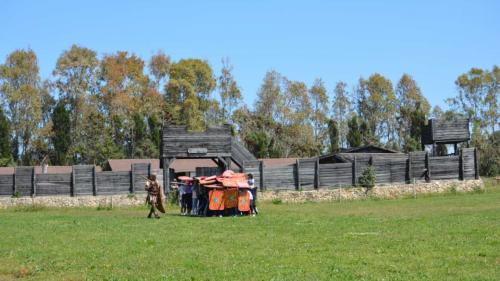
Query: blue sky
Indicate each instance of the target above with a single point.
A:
(434, 41)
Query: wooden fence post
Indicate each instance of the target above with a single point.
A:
(132, 178)
(409, 168)
(149, 170)
(428, 166)
(14, 187)
(316, 174)
(33, 182)
(73, 193)
(297, 176)
(354, 180)
(94, 181)
(261, 171)
(461, 162)
(476, 166)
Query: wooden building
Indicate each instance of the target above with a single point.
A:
(215, 143)
(444, 132)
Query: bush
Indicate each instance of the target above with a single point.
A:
(367, 179)
(277, 201)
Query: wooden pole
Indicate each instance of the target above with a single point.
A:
(261, 171)
(14, 188)
(462, 165)
(33, 182)
(73, 182)
(428, 166)
(94, 181)
(409, 168)
(476, 162)
(297, 174)
(354, 179)
(132, 178)
(316, 174)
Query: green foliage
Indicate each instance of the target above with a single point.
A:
(61, 137)
(367, 178)
(277, 201)
(354, 133)
(333, 133)
(5, 148)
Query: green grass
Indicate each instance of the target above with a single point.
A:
(438, 237)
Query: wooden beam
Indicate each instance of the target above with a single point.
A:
(428, 166)
(316, 174)
(476, 164)
(354, 179)
(94, 181)
(297, 174)
(261, 171)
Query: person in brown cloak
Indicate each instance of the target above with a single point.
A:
(155, 196)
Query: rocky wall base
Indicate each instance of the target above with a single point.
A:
(78, 201)
(386, 191)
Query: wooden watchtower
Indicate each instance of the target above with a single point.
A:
(216, 143)
(439, 131)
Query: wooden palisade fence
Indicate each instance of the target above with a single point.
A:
(305, 174)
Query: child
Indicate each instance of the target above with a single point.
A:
(253, 195)
(195, 195)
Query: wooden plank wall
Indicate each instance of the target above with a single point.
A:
(208, 171)
(276, 178)
(53, 184)
(83, 180)
(468, 158)
(444, 130)
(307, 173)
(6, 185)
(24, 180)
(113, 183)
(444, 167)
(140, 171)
(176, 140)
(335, 175)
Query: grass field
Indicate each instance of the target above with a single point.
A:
(438, 237)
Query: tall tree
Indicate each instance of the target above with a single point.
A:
(354, 133)
(5, 149)
(159, 67)
(20, 88)
(229, 91)
(61, 137)
(377, 106)
(413, 111)
(333, 132)
(126, 91)
(188, 93)
(77, 74)
(319, 115)
(341, 108)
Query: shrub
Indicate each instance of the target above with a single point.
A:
(277, 201)
(367, 178)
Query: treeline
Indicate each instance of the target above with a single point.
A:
(98, 107)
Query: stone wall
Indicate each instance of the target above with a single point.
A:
(78, 201)
(386, 191)
(353, 193)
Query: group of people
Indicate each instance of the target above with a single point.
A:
(194, 198)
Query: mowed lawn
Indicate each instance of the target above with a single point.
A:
(438, 237)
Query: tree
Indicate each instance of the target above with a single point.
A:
(319, 115)
(187, 93)
(413, 111)
(159, 67)
(333, 132)
(229, 91)
(5, 149)
(20, 88)
(353, 135)
(77, 74)
(341, 108)
(126, 91)
(61, 137)
(377, 107)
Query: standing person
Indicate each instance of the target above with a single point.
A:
(196, 194)
(155, 196)
(182, 203)
(188, 197)
(253, 191)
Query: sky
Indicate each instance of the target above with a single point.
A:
(433, 41)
